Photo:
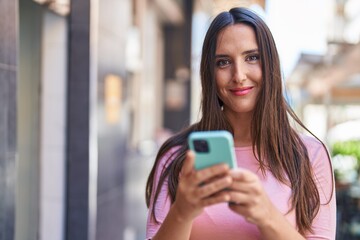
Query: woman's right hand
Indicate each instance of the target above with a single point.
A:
(198, 189)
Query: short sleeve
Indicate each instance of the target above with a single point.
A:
(163, 202)
(324, 224)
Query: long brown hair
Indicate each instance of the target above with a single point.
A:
(278, 146)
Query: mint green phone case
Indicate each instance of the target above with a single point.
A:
(220, 148)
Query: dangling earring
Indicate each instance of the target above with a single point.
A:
(220, 103)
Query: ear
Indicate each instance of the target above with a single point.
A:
(220, 102)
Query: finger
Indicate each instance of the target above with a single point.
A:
(214, 187)
(188, 163)
(253, 188)
(239, 198)
(210, 172)
(238, 207)
(240, 186)
(243, 175)
(216, 198)
(242, 210)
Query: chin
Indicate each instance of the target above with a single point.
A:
(241, 110)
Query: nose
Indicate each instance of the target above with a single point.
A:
(239, 72)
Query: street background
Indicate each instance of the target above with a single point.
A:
(90, 90)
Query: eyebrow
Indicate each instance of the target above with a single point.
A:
(243, 53)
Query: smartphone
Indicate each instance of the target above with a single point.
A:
(212, 147)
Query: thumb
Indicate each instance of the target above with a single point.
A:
(188, 166)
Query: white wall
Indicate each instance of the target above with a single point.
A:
(53, 127)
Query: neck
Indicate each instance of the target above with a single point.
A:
(241, 124)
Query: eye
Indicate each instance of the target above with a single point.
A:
(252, 58)
(222, 62)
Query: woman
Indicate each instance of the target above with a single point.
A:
(283, 188)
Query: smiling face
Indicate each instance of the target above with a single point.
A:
(238, 69)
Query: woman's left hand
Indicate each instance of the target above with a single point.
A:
(249, 199)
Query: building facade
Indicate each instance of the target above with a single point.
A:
(78, 78)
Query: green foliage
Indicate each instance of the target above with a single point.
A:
(351, 148)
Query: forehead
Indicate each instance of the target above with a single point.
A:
(238, 35)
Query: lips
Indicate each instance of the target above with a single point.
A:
(241, 91)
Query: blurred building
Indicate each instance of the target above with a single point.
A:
(82, 82)
(326, 88)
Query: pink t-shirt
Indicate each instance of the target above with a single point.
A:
(219, 222)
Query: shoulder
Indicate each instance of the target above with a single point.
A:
(319, 157)
(168, 157)
(314, 147)
(311, 142)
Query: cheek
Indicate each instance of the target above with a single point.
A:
(221, 84)
(258, 75)
(222, 78)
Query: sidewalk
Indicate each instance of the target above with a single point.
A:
(137, 170)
